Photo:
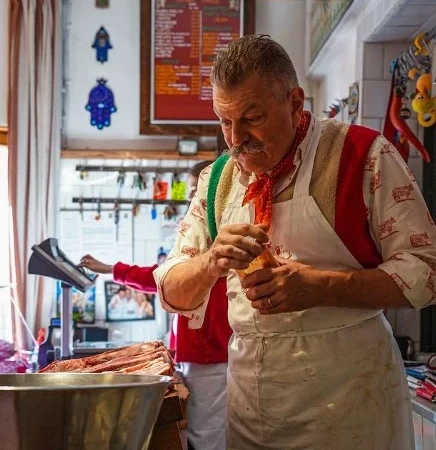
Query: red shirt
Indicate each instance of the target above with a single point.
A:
(206, 345)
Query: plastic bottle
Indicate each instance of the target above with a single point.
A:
(34, 366)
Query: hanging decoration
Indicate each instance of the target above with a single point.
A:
(83, 175)
(139, 181)
(98, 213)
(423, 103)
(405, 111)
(160, 189)
(102, 45)
(169, 212)
(101, 104)
(412, 64)
(116, 219)
(135, 209)
(153, 212)
(121, 178)
(335, 108)
(81, 208)
(178, 188)
(102, 3)
(353, 102)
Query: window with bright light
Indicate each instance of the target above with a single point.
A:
(5, 304)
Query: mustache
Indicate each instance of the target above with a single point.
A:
(251, 147)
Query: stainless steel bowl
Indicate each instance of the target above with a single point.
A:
(75, 411)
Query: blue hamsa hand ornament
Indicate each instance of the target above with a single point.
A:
(101, 104)
(102, 45)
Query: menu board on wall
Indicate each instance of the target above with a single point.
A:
(186, 36)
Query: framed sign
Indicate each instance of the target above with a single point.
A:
(324, 17)
(179, 41)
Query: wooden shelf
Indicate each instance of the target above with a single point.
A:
(69, 153)
(3, 136)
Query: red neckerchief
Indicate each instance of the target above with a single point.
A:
(261, 190)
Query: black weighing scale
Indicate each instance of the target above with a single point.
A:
(48, 260)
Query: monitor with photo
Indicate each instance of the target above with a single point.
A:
(83, 304)
(126, 304)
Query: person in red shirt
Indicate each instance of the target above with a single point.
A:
(201, 354)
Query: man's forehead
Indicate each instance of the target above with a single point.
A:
(241, 104)
(242, 90)
(246, 95)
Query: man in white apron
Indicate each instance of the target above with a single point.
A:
(312, 361)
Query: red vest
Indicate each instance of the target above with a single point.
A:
(208, 344)
(351, 222)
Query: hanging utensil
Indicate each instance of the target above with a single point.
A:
(121, 178)
(98, 214)
(135, 209)
(160, 189)
(116, 219)
(81, 208)
(169, 212)
(139, 181)
(153, 211)
(83, 174)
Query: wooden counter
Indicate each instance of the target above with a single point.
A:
(170, 431)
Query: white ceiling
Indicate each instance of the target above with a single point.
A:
(406, 20)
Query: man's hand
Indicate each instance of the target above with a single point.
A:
(95, 265)
(235, 247)
(291, 287)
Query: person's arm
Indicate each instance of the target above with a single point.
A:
(135, 277)
(191, 278)
(181, 288)
(404, 233)
(371, 288)
(194, 265)
(402, 228)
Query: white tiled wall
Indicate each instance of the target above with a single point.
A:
(148, 234)
(375, 97)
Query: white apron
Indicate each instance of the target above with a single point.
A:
(321, 379)
(207, 404)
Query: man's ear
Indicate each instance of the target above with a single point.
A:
(296, 103)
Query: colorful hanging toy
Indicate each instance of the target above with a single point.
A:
(102, 45)
(411, 64)
(178, 188)
(160, 189)
(101, 104)
(423, 103)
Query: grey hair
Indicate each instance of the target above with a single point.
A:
(254, 54)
